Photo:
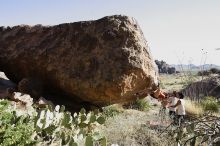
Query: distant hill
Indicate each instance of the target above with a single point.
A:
(180, 67)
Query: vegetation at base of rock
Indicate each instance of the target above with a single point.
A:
(210, 104)
(49, 126)
(111, 111)
(141, 104)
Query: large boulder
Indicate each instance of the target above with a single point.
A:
(101, 62)
(206, 87)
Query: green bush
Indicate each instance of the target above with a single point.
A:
(141, 104)
(209, 104)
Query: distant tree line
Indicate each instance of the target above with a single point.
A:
(163, 67)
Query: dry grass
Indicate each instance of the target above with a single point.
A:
(130, 129)
(193, 108)
(176, 81)
(171, 82)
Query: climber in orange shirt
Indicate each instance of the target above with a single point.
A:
(158, 94)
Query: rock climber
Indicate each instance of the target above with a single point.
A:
(180, 108)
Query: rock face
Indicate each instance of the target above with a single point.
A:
(207, 87)
(101, 62)
(30, 86)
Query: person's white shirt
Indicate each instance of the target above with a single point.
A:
(172, 101)
(181, 108)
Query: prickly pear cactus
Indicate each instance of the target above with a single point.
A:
(60, 126)
(53, 126)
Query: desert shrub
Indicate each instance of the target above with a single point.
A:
(130, 128)
(204, 73)
(218, 102)
(141, 104)
(148, 137)
(193, 108)
(214, 70)
(199, 131)
(209, 104)
(111, 111)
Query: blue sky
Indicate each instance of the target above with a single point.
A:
(176, 30)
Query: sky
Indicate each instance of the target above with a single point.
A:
(177, 31)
